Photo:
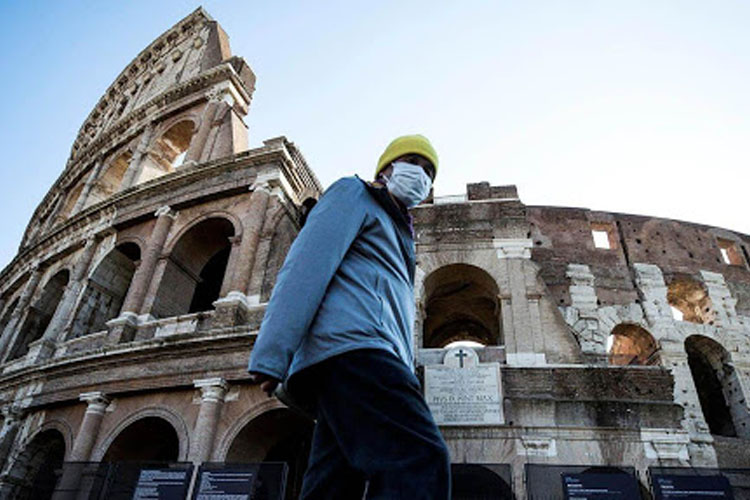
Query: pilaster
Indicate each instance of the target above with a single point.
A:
(11, 329)
(123, 329)
(213, 391)
(521, 326)
(136, 162)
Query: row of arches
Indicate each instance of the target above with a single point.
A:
(195, 270)
(461, 304)
(461, 307)
(278, 435)
(165, 153)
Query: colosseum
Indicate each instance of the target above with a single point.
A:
(598, 351)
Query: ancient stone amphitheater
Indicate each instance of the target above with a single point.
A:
(128, 315)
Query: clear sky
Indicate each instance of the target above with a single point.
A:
(625, 106)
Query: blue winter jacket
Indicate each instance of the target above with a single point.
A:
(347, 283)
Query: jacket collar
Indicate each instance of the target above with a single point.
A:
(399, 214)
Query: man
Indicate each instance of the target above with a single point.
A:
(338, 331)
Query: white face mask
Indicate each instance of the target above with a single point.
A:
(409, 183)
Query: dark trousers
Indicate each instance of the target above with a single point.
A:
(374, 432)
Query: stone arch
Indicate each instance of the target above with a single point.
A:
(110, 178)
(231, 433)
(105, 290)
(40, 313)
(214, 214)
(689, 300)
(167, 151)
(59, 425)
(478, 481)
(460, 304)
(175, 422)
(195, 269)
(70, 201)
(34, 471)
(718, 387)
(5, 318)
(631, 344)
(275, 435)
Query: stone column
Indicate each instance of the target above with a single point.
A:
(232, 308)
(521, 326)
(67, 488)
(123, 328)
(90, 180)
(24, 300)
(253, 224)
(64, 310)
(213, 391)
(12, 418)
(583, 314)
(261, 255)
(198, 142)
(136, 162)
(89, 429)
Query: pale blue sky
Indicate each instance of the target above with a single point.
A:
(632, 106)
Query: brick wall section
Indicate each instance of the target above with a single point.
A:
(563, 235)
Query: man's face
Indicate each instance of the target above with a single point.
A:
(414, 159)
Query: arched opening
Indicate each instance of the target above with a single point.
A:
(8, 313)
(168, 151)
(276, 436)
(195, 270)
(70, 202)
(461, 305)
(38, 467)
(476, 481)
(40, 314)
(106, 289)
(109, 180)
(632, 345)
(689, 301)
(718, 387)
(149, 439)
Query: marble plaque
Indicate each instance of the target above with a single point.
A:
(468, 395)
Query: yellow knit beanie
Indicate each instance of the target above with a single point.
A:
(404, 145)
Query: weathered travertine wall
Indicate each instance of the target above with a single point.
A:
(130, 310)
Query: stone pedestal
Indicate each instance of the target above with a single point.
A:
(213, 391)
(40, 350)
(122, 329)
(231, 310)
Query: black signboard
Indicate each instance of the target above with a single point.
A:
(547, 481)
(162, 484)
(216, 485)
(220, 481)
(595, 486)
(676, 487)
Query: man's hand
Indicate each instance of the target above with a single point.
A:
(267, 383)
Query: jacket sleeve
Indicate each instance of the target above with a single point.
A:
(301, 284)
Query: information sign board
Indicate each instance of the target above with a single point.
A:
(162, 484)
(597, 486)
(677, 487)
